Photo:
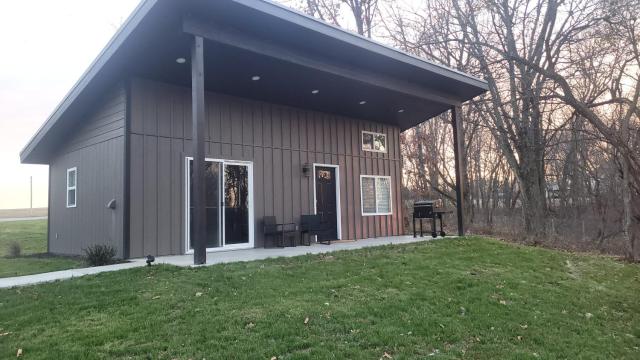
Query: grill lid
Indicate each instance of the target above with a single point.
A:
(423, 203)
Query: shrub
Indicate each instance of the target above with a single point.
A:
(15, 249)
(99, 255)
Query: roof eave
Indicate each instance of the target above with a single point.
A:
(30, 155)
(306, 21)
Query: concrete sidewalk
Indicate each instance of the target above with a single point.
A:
(64, 274)
(213, 258)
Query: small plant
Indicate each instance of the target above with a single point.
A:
(15, 250)
(100, 255)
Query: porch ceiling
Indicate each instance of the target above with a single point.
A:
(244, 39)
(230, 69)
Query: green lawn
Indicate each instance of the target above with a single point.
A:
(32, 237)
(468, 298)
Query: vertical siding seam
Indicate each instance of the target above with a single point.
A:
(126, 212)
(399, 186)
(284, 202)
(364, 221)
(264, 196)
(171, 160)
(273, 183)
(242, 107)
(293, 171)
(144, 140)
(376, 218)
(49, 211)
(346, 176)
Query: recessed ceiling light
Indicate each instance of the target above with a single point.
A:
(315, 91)
(362, 102)
(181, 60)
(255, 78)
(401, 110)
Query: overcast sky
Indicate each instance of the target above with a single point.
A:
(45, 46)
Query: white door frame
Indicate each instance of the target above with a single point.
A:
(338, 205)
(187, 204)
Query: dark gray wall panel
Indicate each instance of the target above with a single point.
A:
(177, 195)
(96, 149)
(277, 139)
(137, 195)
(151, 195)
(164, 202)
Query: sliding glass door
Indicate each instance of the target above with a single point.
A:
(228, 204)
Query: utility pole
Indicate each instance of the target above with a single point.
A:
(31, 192)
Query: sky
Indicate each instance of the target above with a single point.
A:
(45, 46)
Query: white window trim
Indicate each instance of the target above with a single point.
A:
(386, 144)
(375, 186)
(74, 187)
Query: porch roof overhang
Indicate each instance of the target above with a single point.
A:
(292, 53)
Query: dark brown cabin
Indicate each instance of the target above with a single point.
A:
(200, 118)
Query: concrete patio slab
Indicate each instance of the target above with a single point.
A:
(213, 258)
(220, 257)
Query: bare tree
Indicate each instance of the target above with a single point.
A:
(558, 134)
(363, 12)
(615, 110)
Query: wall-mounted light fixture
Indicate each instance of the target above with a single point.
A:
(307, 169)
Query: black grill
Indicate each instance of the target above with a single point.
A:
(423, 209)
(429, 209)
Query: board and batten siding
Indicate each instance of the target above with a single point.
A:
(96, 149)
(277, 139)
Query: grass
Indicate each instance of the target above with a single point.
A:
(468, 298)
(32, 237)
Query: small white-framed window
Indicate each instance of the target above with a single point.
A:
(375, 195)
(72, 187)
(375, 142)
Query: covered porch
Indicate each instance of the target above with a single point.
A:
(308, 64)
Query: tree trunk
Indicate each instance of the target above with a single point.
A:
(634, 229)
(631, 214)
(534, 205)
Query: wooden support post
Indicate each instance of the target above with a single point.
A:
(199, 223)
(458, 150)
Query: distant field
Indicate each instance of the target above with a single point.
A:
(20, 213)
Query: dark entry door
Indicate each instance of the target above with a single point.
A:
(325, 178)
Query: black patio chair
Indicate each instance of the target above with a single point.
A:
(274, 230)
(310, 225)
